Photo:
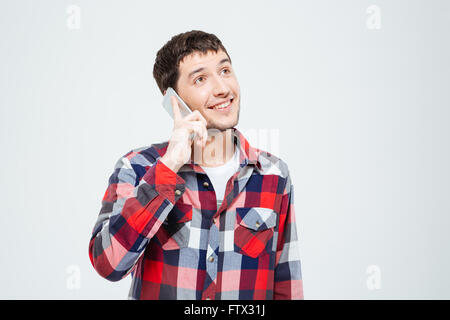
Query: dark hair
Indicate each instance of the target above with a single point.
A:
(168, 58)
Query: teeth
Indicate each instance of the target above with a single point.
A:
(223, 105)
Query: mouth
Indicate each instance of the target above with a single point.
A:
(222, 106)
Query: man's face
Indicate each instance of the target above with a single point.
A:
(207, 83)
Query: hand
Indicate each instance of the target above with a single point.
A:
(179, 149)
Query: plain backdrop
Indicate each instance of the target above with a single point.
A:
(354, 96)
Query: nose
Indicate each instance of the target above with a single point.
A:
(220, 88)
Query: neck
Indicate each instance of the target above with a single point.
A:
(218, 150)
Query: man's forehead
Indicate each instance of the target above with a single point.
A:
(199, 59)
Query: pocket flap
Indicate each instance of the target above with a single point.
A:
(180, 213)
(256, 218)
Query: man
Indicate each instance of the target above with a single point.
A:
(204, 215)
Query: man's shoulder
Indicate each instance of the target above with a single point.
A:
(271, 164)
(146, 155)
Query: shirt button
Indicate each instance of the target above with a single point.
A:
(211, 259)
(206, 184)
(257, 224)
(177, 192)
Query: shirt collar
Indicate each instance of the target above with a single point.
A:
(247, 154)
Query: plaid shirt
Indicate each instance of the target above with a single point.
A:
(169, 232)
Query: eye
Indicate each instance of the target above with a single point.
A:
(198, 79)
(227, 70)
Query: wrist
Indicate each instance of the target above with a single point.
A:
(169, 163)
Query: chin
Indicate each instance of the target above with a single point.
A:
(225, 124)
(222, 127)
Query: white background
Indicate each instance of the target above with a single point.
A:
(362, 116)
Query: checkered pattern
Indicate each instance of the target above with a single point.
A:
(166, 229)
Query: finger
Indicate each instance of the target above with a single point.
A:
(203, 131)
(175, 108)
(196, 115)
(197, 128)
(198, 141)
(198, 132)
(204, 136)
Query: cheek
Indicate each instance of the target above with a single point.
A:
(203, 95)
(200, 97)
(234, 86)
(196, 99)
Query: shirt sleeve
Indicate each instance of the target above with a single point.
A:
(288, 284)
(131, 213)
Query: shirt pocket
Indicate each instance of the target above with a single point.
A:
(175, 230)
(254, 230)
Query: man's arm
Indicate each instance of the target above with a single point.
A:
(131, 215)
(288, 284)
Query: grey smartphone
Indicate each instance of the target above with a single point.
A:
(167, 104)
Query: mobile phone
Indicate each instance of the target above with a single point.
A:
(167, 104)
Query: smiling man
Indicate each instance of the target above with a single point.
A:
(208, 217)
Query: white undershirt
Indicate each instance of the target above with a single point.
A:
(220, 175)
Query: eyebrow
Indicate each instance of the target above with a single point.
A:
(201, 69)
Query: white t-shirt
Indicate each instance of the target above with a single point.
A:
(220, 175)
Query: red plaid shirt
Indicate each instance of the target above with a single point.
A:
(169, 232)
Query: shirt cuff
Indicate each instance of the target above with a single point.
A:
(165, 181)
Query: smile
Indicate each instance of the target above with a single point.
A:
(223, 106)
